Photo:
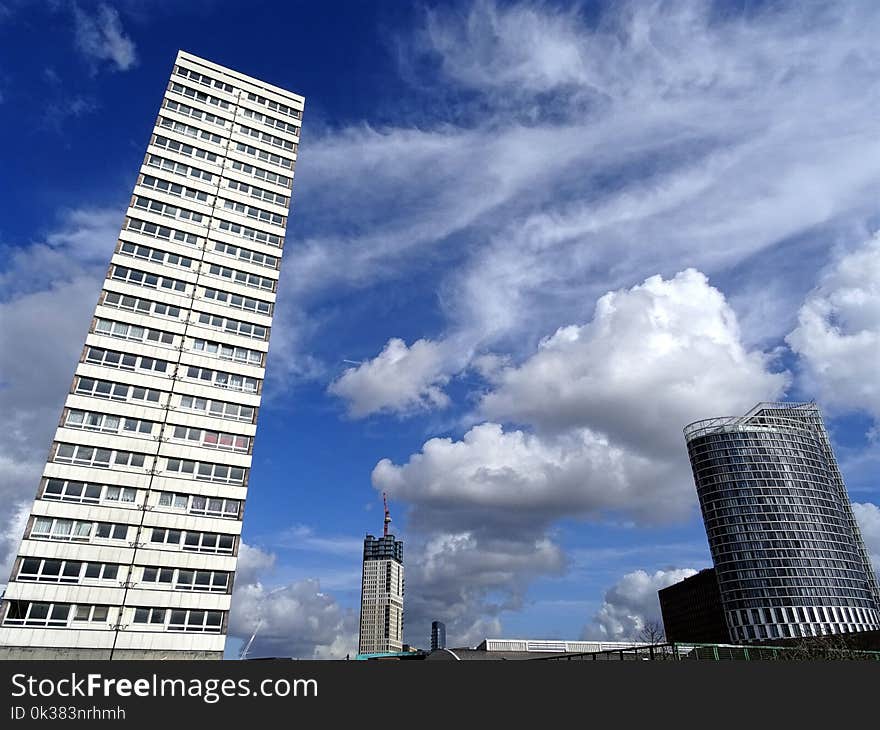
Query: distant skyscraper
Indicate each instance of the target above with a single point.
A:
(381, 628)
(132, 543)
(788, 552)
(438, 635)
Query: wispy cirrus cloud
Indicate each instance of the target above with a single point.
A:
(100, 38)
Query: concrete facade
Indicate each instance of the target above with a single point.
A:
(788, 553)
(382, 587)
(131, 547)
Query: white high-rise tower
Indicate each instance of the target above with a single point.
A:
(131, 547)
(381, 629)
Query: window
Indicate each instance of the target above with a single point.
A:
(213, 439)
(70, 491)
(181, 148)
(220, 473)
(258, 193)
(158, 575)
(228, 352)
(203, 80)
(215, 506)
(220, 379)
(194, 113)
(107, 531)
(245, 254)
(251, 233)
(120, 494)
(56, 528)
(209, 622)
(252, 212)
(243, 278)
(178, 168)
(125, 361)
(218, 408)
(155, 616)
(91, 613)
(171, 499)
(261, 174)
(166, 209)
(141, 306)
(198, 504)
(154, 230)
(132, 332)
(92, 421)
(32, 613)
(263, 155)
(83, 455)
(202, 580)
(200, 542)
(206, 471)
(115, 391)
(131, 304)
(271, 139)
(92, 456)
(181, 466)
(101, 571)
(154, 255)
(171, 188)
(248, 304)
(275, 106)
(165, 537)
(48, 570)
(143, 278)
(270, 121)
(190, 131)
(234, 326)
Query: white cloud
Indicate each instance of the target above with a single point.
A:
(654, 358)
(631, 603)
(100, 37)
(306, 538)
(399, 379)
(605, 403)
(468, 579)
(838, 333)
(49, 287)
(868, 517)
(295, 620)
(601, 407)
(531, 48)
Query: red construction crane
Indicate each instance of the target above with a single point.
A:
(387, 514)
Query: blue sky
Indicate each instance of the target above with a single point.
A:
(529, 242)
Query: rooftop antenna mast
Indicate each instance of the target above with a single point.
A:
(387, 515)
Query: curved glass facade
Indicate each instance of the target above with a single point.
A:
(788, 553)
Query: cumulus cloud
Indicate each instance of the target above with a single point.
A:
(400, 379)
(49, 287)
(600, 406)
(631, 603)
(100, 37)
(653, 358)
(838, 332)
(467, 579)
(294, 620)
(868, 517)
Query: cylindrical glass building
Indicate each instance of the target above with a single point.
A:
(788, 552)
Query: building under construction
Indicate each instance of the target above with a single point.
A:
(381, 627)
